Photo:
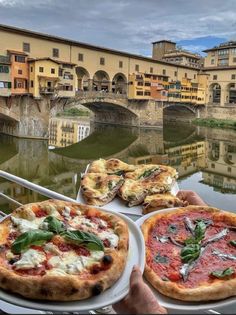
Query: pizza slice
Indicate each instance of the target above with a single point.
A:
(111, 167)
(132, 192)
(98, 189)
(161, 201)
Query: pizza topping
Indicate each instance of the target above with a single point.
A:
(162, 239)
(222, 274)
(24, 225)
(107, 260)
(217, 237)
(111, 237)
(161, 259)
(233, 243)
(51, 248)
(186, 268)
(172, 228)
(190, 253)
(54, 225)
(149, 173)
(41, 213)
(224, 256)
(175, 242)
(87, 239)
(33, 237)
(30, 259)
(66, 213)
(189, 225)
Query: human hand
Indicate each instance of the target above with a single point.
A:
(140, 299)
(190, 198)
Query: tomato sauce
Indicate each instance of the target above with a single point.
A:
(164, 258)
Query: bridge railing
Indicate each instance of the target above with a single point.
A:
(100, 94)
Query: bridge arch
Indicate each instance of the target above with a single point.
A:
(180, 106)
(83, 79)
(101, 81)
(119, 83)
(215, 93)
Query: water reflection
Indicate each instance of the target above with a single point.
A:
(205, 158)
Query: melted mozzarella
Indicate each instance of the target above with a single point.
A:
(24, 225)
(30, 259)
(66, 213)
(113, 238)
(83, 222)
(51, 248)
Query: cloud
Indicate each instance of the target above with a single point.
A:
(129, 25)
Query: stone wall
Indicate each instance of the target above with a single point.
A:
(219, 112)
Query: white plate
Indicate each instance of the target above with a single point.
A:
(119, 205)
(177, 304)
(119, 290)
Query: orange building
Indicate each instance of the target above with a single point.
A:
(19, 72)
(159, 87)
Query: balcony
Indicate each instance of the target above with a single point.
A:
(5, 59)
(47, 90)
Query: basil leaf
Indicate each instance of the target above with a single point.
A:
(33, 237)
(233, 243)
(200, 230)
(161, 259)
(54, 225)
(111, 184)
(220, 274)
(147, 173)
(119, 173)
(190, 253)
(207, 222)
(87, 239)
(172, 228)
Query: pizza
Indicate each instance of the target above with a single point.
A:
(191, 253)
(161, 201)
(61, 251)
(111, 166)
(98, 189)
(132, 192)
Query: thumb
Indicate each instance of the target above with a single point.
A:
(136, 276)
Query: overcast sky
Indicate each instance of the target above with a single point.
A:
(128, 25)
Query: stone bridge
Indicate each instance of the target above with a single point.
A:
(116, 109)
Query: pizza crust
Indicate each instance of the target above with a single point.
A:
(69, 287)
(219, 289)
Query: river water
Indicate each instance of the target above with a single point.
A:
(204, 157)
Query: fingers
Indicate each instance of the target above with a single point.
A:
(136, 277)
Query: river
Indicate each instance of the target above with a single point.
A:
(204, 157)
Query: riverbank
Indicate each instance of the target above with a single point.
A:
(215, 123)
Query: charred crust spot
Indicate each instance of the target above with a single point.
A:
(73, 291)
(13, 260)
(3, 280)
(45, 292)
(97, 289)
(107, 260)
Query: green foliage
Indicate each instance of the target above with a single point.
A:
(84, 238)
(218, 123)
(221, 274)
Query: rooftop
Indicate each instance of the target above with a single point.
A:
(225, 45)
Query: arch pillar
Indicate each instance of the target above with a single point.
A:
(224, 96)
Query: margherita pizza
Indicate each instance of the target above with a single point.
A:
(62, 251)
(191, 253)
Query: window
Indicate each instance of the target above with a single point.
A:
(229, 169)
(19, 71)
(5, 85)
(185, 75)
(102, 61)
(176, 74)
(55, 52)
(212, 165)
(60, 72)
(139, 93)
(164, 71)
(52, 71)
(214, 77)
(147, 93)
(120, 64)
(41, 69)
(31, 69)
(151, 70)
(81, 57)
(4, 69)
(233, 76)
(136, 67)
(31, 83)
(212, 61)
(234, 59)
(26, 47)
(194, 76)
(20, 59)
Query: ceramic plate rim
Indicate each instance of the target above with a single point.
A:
(184, 307)
(66, 306)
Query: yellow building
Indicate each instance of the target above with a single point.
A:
(97, 68)
(44, 76)
(67, 80)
